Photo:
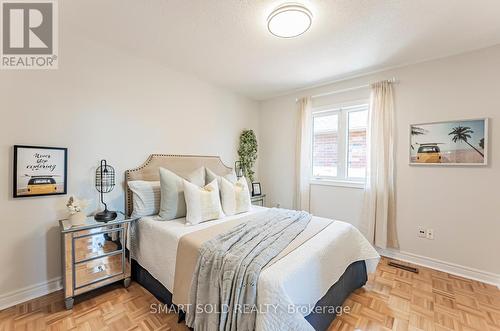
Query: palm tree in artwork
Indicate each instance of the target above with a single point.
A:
(481, 143)
(462, 133)
(416, 131)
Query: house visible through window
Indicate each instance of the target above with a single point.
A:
(339, 143)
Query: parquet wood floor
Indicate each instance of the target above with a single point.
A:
(393, 299)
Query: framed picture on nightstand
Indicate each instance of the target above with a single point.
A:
(256, 191)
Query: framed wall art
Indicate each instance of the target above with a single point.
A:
(40, 171)
(463, 142)
(256, 190)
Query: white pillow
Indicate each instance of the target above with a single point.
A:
(172, 203)
(203, 203)
(197, 177)
(235, 197)
(146, 197)
(210, 176)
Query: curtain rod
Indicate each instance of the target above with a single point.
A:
(392, 80)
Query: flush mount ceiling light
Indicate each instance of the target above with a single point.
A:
(289, 20)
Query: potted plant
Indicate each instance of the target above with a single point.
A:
(247, 153)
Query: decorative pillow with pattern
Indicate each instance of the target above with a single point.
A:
(203, 203)
(235, 197)
(146, 197)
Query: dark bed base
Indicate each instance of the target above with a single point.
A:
(353, 278)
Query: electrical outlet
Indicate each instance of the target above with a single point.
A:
(430, 234)
(422, 233)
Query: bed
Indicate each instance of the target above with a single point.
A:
(308, 284)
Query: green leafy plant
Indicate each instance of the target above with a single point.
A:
(247, 153)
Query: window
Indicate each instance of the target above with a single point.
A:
(339, 143)
(325, 145)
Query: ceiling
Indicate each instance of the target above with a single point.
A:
(226, 42)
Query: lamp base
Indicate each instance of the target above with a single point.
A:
(105, 216)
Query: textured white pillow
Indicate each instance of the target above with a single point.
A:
(203, 203)
(210, 176)
(197, 177)
(173, 204)
(235, 197)
(146, 197)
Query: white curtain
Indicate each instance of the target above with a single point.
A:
(303, 154)
(378, 223)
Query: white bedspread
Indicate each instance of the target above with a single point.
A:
(156, 246)
(319, 263)
(298, 281)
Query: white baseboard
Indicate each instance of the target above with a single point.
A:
(30, 292)
(451, 268)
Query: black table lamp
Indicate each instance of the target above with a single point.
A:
(104, 183)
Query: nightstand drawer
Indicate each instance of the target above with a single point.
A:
(98, 269)
(91, 246)
(96, 230)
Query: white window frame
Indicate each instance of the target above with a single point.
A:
(342, 110)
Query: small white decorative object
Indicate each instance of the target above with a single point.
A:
(76, 209)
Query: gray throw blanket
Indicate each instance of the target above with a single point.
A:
(223, 293)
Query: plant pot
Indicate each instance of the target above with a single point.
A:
(77, 219)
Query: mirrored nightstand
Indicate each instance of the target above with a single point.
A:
(259, 200)
(93, 255)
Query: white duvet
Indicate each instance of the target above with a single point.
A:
(282, 291)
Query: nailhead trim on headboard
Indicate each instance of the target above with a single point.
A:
(128, 195)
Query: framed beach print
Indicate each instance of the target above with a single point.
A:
(39, 171)
(463, 142)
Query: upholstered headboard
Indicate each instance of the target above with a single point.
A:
(180, 164)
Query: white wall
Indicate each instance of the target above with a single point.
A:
(340, 203)
(459, 203)
(100, 103)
